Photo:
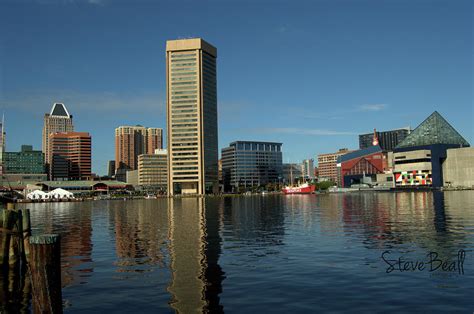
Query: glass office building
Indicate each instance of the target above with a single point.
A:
(387, 140)
(251, 164)
(27, 161)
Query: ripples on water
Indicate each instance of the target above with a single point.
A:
(263, 253)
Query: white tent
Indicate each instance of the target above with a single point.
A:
(36, 195)
(60, 194)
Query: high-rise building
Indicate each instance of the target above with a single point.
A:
(70, 155)
(327, 165)
(27, 161)
(192, 117)
(152, 170)
(251, 164)
(132, 141)
(308, 168)
(154, 140)
(111, 168)
(58, 120)
(387, 140)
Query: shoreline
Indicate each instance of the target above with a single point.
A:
(393, 190)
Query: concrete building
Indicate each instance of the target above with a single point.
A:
(308, 168)
(292, 173)
(191, 117)
(153, 170)
(154, 138)
(413, 168)
(251, 164)
(361, 166)
(458, 168)
(58, 120)
(387, 140)
(132, 177)
(70, 155)
(419, 158)
(27, 161)
(327, 165)
(132, 141)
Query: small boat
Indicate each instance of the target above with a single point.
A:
(301, 189)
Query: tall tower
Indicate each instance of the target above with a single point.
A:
(58, 120)
(191, 91)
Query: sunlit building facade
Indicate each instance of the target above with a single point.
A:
(58, 120)
(70, 155)
(192, 117)
(132, 141)
(419, 159)
(152, 170)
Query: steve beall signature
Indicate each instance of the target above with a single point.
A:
(432, 263)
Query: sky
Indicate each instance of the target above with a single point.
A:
(309, 74)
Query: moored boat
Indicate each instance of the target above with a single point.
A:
(301, 189)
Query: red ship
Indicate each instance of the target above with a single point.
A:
(302, 189)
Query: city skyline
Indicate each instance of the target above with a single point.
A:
(380, 73)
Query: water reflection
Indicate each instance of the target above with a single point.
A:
(141, 234)
(405, 220)
(195, 247)
(305, 252)
(76, 237)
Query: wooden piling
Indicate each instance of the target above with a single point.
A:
(16, 240)
(8, 222)
(45, 267)
(26, 233)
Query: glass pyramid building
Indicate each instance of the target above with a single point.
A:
(434, 130)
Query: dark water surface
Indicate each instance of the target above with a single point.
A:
(306, 253)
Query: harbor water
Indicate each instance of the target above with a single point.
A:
(354, 252)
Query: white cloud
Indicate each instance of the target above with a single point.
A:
(372, 107)
(76, 101)
(301, 131)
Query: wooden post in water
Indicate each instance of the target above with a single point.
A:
(16, 241)
(26, 233)
(45, 267)
(8, 221)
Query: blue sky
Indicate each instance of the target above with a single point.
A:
(309, 74)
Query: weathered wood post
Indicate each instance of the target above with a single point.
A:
(45, 267)
(16, 241)
(8, 221)
(26, 233)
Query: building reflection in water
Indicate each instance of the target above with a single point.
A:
(421, 219)
(195, 247)
(141, 234)
(76, 236)
(256, 221)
